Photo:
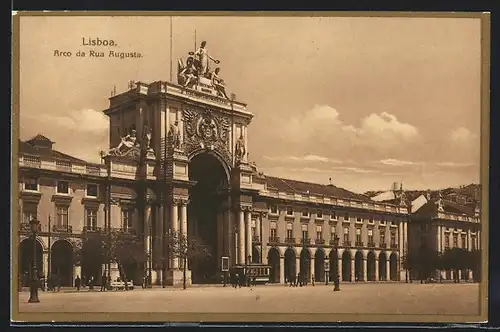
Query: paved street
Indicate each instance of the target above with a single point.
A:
(397, 298)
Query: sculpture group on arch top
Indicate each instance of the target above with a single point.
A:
(196, 71)
(204, 130)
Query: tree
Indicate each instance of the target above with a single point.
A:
(473, 262)
(186, 249)
(455, 259)
(113, 246)
(422, 262)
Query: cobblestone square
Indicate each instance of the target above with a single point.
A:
(397, 298)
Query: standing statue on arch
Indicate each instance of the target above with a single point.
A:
(203, 60)
(240, 149)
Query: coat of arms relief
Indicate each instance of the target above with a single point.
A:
(204, 130)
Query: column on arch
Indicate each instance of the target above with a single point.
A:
(175, 228)
(248, 235)
(183, 224)
(241, 237)
(147, 236)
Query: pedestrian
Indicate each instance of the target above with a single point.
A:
(312, 279)
(238, 281)
(91, 283)
(78, 283)
(103, 282)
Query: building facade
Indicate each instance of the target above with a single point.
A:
(178, 163)
(440, 223)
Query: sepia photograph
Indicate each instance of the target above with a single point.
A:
(250, 167)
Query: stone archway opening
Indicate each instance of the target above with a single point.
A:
(273, 259)
(290, 265)
(319, 265)
(371, 266)
(382, 266)
(394, 267)
(334, 261)
(358, 266)
(26, 260)
(305, 264)
(206, 198)
(62, 262)
(346, 266)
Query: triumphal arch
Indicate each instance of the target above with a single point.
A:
(179, 152)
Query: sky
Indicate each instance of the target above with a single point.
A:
(365, 101)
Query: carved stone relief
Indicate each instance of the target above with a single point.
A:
(204, 130)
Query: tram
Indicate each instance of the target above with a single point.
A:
(258, 273)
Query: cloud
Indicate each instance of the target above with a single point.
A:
(462, 135)
(323, 131)
(305, 158)
(396, 162)
(454, 164)
(81, 133)
(85, 120)
(387, 125)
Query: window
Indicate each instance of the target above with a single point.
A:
(62, 187)
(62, 216)
(29, 212)
(346, 234)
(393, 238)
(346, 216)
(254, 233)
(455, 241)
(274, 209)
(305, 232)
(423, 227)
(382, 236)
(358, 235)
(91, 190)
(305, 213)
(319, 214)
(446, 241)
(289, 211)
(370, 220)
(473, 243)
(319, 232)
(333, 215)
(358, 219)
(127, 219)
(464, 242)
(370, 236)
(273, 232)
(289, 230)
(31, 184)
(91, 219)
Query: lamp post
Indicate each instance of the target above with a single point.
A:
(34, 278)
(337, 277)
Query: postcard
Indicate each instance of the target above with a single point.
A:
(250, 167)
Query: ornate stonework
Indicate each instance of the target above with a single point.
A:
(204, 130)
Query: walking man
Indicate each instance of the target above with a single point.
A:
(103, 282)
(78, 283)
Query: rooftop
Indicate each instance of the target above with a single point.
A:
(301, 187)
(41, 146)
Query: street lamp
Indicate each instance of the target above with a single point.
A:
(34, 278)
(337, 277)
